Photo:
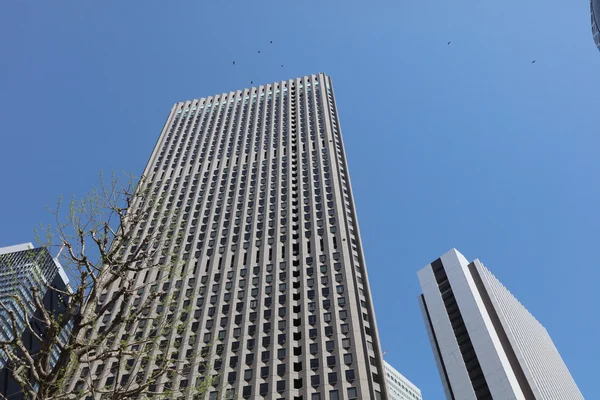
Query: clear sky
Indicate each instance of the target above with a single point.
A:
(467, 145)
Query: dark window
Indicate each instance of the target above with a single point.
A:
(352, 393)
(280, 386)
(264, 372)
(315, 380)
(246, 391)
(350, 375)
(314, 363)
(248, 374)
(332, 378)
(263, 389)
(348, 358)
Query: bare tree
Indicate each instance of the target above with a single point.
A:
(118, 337)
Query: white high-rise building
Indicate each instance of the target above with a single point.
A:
(486, 344)
(399, 388)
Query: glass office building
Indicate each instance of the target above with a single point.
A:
(23, 267)
(595, 15)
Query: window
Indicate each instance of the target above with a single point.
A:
(345, 328)
(333, 395)
(348, 358)
(350, 375)
(263, 389)
(231, 377)
(280, 386)
(264, 372)
(329, 345)
(281, 369)
(352, 393)
(248, 375)
(315, 380)
(246, 391)
(331, 361)
(265, 356)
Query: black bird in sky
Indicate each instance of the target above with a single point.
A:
(234, 63)
(259, 52)
(449, 42)
(533, 62)
(281, 65)
(251, 82)
(271, 42)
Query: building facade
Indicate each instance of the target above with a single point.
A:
(21, 268)
(399, 388)
(486, 344)
(595, 15)
(273, 262)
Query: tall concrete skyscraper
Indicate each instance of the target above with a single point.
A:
(270, 237)
(486, 344)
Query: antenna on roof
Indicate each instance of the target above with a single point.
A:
(60, 251)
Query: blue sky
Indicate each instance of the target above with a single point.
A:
(469, 145)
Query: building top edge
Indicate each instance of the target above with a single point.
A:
(16, 248)
(323, 74)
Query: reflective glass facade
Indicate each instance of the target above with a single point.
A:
(595, 15)
(23, 267)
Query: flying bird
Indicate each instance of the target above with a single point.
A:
(259, 52)
(234, 63)
(251, 82)
(449, 42)
(281, 65)
(533, 62)
(271, 42)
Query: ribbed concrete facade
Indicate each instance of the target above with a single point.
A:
(486, 344)
(270, 234)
